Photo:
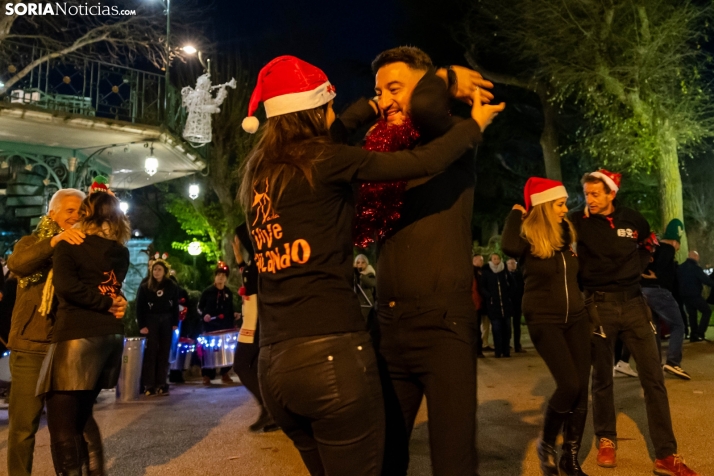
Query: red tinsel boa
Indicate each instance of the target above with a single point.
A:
(379, 203)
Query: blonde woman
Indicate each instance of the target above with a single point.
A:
(365, 285)
(88, 338)
(540, 236)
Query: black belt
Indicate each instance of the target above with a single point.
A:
(620, 296)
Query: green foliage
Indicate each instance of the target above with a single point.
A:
(204, 221)
(633, 68)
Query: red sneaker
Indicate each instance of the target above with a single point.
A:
(673, 465)
(606, 453)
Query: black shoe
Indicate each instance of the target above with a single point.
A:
(263, 420)
(520, 350)
(573, 435)
(488, 348)
(149, 392)
(480, 355)
(163, 391)
(271, 428)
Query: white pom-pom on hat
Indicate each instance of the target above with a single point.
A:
(250, 124)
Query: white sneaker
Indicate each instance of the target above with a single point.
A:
(624, 368)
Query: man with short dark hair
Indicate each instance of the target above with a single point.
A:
(426, 313)
(613, 253)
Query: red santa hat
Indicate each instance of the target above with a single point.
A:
(287, 84)
(541, 190)
(612, 179)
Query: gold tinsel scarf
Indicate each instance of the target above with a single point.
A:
(46, 228)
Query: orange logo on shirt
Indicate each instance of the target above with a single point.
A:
(265, 210)
(272, 255)
(111, 286)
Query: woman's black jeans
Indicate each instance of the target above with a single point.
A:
(326, 395)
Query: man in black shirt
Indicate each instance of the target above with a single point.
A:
(692, 280)
(613, 255)
(658, 286)
(516, 298)
(426, 314)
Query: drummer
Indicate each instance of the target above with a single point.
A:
(216, 307)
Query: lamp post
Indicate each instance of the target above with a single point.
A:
(194, 249)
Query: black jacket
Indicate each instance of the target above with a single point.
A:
(551, 293)
(434, 229)
(496, 289)
(219, 304)
(664, 267)
(165, 300)
(692, 279)
(610, 250)
(86, 279)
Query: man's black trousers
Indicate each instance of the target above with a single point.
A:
(429, 351)
(692, 305)
(630, 321)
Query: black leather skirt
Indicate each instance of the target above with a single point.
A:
(82, 364)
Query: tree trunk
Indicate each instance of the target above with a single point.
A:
(549, 137)
(670, 185)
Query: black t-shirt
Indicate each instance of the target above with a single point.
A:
(303, 243)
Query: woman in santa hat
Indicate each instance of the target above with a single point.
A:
(541, 237)
(318, 370)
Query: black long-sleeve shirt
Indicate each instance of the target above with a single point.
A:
(692, 279)
(165, 300)
(86, 279)
(664, 267)
(303, 244)
(610, 250)
(434, 229)
(552, 293)
(217, 303)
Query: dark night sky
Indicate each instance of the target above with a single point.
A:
(341, 38)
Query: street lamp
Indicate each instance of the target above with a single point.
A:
(151, 164)
(193, 191)
(194, 249)
(124, 206)
(189, 50)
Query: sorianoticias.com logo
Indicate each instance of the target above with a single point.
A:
(57, 8)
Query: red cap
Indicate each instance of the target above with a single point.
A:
(288, 84)
(541, 190)
(612, 179)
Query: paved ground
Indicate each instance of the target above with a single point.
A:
(201, 431)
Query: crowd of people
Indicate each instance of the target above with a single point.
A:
(338, 353)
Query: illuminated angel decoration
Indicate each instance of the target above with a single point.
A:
(200, 104)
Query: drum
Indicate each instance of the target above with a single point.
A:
(218, 348)
(174, 344)
(184, 354)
